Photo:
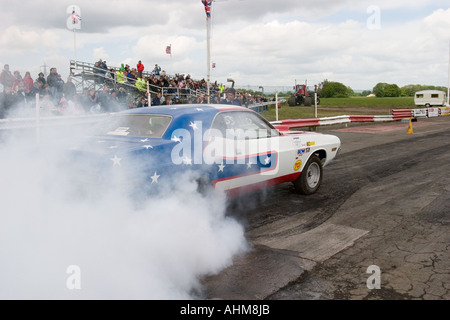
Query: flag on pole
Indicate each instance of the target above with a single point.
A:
(207, 4)
(169, 49)
(74, 20)
(75, 17)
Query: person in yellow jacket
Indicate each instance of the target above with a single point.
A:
(141, 84)
(120, 77)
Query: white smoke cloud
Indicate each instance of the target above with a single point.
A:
(63, 238)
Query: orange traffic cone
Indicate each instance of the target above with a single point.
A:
(410, 128)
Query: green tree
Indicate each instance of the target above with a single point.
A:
(379, 89)
(392, 90)
(411, 89)
(350, 92)
(333, 89)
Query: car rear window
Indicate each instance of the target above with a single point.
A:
(137, 125)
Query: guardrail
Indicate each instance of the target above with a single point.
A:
(397, 114)
(32, 122)
(401, 113)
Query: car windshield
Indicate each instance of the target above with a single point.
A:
(136, 125)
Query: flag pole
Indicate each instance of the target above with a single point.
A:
(208, 58)
(73, 23)
(171, 60)
(75, 47)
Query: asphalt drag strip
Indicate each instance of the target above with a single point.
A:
(384, 202)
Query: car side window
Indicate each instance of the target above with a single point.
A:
(243, 125)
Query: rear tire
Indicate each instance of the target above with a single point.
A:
(308, 101)
(311, 177)
(204, 185)
(292, 102)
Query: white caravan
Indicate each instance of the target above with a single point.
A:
(429, 98)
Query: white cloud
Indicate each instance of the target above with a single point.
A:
(15, 41)
(153, 46)
(438, 24)
(100, 53)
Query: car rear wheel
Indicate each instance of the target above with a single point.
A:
(310, 178)
(204, 185)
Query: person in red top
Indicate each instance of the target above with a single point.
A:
(29, 83)
(140, 68)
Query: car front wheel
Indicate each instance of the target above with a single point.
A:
(310, 178)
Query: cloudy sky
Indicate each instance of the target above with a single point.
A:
(254, 42)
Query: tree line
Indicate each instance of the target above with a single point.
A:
(332, 89)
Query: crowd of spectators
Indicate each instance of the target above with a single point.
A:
(18, 94)
(122, 88)
(179, 88)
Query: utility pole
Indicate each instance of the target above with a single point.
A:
(45, 69)
(448, 85)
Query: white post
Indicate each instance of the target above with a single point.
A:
(149, 100)
(276, 105)
(38, 133)
(315, 104)
(448, 88)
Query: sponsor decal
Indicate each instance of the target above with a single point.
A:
(296, 141)
(301, 152)
(311, 143)
(297, 165)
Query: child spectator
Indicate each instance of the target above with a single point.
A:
(28, 81)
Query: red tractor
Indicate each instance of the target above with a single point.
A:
(301, 96)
